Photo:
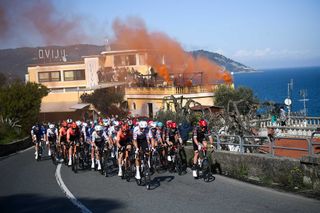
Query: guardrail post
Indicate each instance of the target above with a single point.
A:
(241, 144)
(218, 142)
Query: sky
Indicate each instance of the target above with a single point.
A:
(257, 33)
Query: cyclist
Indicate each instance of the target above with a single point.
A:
(123, 143)
(52, 137)
(63, 138)
(99, 138)
(140, 142)
(37, 135)
(172, 138)
(73, 138)
(199, 140)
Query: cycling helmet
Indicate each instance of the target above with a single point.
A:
(159, 124)
(173, 125)
(98, 128)
(143, 124)
(73, 125)
(69, 121)
(153, 124)
(51, 126)
(168, 123)
(115, 123)
(78, 123)
(84, 124)
(203, 123)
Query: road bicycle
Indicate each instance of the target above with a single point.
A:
(204, 167)
(145, 169)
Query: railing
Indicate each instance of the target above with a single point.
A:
(168, 90)
(295, 121)
(263, 144)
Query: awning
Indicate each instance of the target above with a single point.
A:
(57, 107)
(79, 106)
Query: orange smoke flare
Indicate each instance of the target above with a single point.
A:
(133, 34)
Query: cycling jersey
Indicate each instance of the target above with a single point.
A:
(199, 134)
(171, 134)
(37, 132)
(73, 135)
(123, 137)
(52, 134)
(63, 134)
(142, 137)
(99, 140)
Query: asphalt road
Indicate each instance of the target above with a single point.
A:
(30, 186)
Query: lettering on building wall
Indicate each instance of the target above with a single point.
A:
(52, 55)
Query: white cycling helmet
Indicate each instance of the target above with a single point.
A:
(69, 121)
(143, 124)
(51, 126)
(78, 123)
(115, 123)
(84, 124)
(98, 128)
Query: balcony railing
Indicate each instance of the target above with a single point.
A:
(168, 90)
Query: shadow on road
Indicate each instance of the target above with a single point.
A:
(41, 203)
(156, 182)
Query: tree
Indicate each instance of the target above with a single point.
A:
(225, 94)
(3, 80)
(20, 104)
(106, 99)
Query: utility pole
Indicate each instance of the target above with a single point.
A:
(290, 87)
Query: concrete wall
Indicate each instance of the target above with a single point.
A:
(279, 171)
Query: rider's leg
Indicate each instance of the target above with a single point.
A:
(92, 155)
(98, 158)
(120, 160)
(138, 167)
(70, 155)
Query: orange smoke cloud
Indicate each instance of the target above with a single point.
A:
(40, 19)
(133, 34)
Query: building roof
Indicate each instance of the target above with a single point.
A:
(79, 106)
(58, 107)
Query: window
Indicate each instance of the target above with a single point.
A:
(49, 76)
(125, 60)
(134, 106)
(142, 59)
(74, 75)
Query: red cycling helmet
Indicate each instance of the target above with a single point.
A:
(203, 123)
(173, 125)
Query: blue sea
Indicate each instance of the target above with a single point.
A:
(272, 84)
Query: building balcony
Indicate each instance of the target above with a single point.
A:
(173, 90)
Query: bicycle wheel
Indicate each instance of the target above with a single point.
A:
(39, 152)
(178, 164)
(147, 176)
(75, 163)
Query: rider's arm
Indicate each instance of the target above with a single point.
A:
(134, 138)
(68, 135)
(118, 138)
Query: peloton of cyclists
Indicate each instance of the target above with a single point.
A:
(121, 136)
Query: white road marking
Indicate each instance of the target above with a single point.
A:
(67, 192)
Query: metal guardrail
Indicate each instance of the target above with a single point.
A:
(261, 144)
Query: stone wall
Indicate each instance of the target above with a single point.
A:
(6, 149)
(279, 171)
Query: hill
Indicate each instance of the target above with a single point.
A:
(14, 62)
(227, 63)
